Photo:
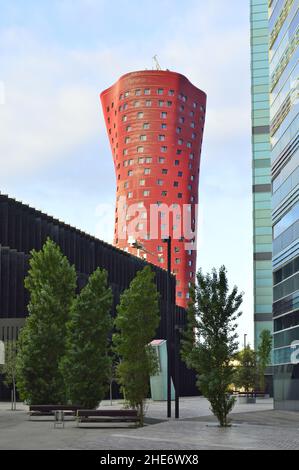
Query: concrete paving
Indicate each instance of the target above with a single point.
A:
(253, 427)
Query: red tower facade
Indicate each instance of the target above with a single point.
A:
(155, 123)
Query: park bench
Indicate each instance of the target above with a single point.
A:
(49, 410)
(107, 416)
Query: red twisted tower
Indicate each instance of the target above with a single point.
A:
(155, 122)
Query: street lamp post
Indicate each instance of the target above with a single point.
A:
(168, 325)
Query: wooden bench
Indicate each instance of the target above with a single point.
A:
(49, 410)
(107, 416)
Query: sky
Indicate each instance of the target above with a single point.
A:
(56, 56)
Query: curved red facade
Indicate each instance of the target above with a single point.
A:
(155, 122)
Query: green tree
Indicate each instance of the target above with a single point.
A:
(9, 369)
(86, 365)
(246, 371)
(210, 339)
(136, 324)
(264, 356)
(51, 282)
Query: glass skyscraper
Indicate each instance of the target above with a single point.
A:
(284, 126)
(261, 168)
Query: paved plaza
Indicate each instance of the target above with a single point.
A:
(253, 427)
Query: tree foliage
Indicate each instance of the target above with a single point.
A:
(264, 356)
(136, 324)
(246, 371)
(210, 339)
(51, 282)
(86, 365)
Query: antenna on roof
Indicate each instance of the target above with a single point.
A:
(155, 59)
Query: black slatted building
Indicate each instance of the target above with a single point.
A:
(23, 228)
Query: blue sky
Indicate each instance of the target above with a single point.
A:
(56, 56)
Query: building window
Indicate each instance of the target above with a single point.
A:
(160, 182)
(161, 138)
(137, 104)
(130, 195)
(140, 205)
(176, 184)
(125, 163)
(140, 149)
(180, 141)
(143, 138)
(164, 149)
(193, 135)
(164, 171)
(141, 160)
(189, 145)
(192, 113)
(179, 130)
(160, 249)
(179, 152)
(140, 115)
(164, 193)
(161, 160)
(177, 162)
(144, 215)
(192, 177)
(189, 187)
(171, 92)
(192, 199)
(128, 128)
(125, 106)
(126, 185)
(127, 93)
(138, 92)
(169, 104)
(127, 140)
(121, 97)
(160, 91)
(163, 125)
(163, 115)
(147, 171)
(148, 160)
(182, 107)
(180, 195)
(141, 182)
(124, 118)
(146, 125)
(147, 91)
(148, 103)
(192, 125)
(180, 173)
(182, 120)
(161, 259)
(130, 173)
(190, 262)
(191, 156)
(179, 294)
(125, 152)
(130, 162)
(146, 193)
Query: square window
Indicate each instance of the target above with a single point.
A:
(127, 93)
(191, 156)
(130, 195)
(148, 160)
(140, 115)
(125, 152)
(182, 120)
(189, 145)
(163, 115)
(125, 106)
(161, 103)
(124, 118)
(147, 171)
(169, 104)
(163, 125)
(147, 91)
(138, 92)
(141, 160)
(160, 248)
(164, 149)
(179, 130)
(127, 140)
(177, 162)
(164, 171)
(148, 103)
(160, 182)
(161, 138)
(180, 195)
(160, 91)
(180, 141)
(137, 104)
(129, 128)
(146, 125)
(130, 162)
(192, 124)
(180, 173)
(143, 138)
(146, 193)
(126, 185)
(141, 182)
(164, 193)
(140, 149)
(161, 160)
(171, 92)
(176, 184)
(179, 152)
